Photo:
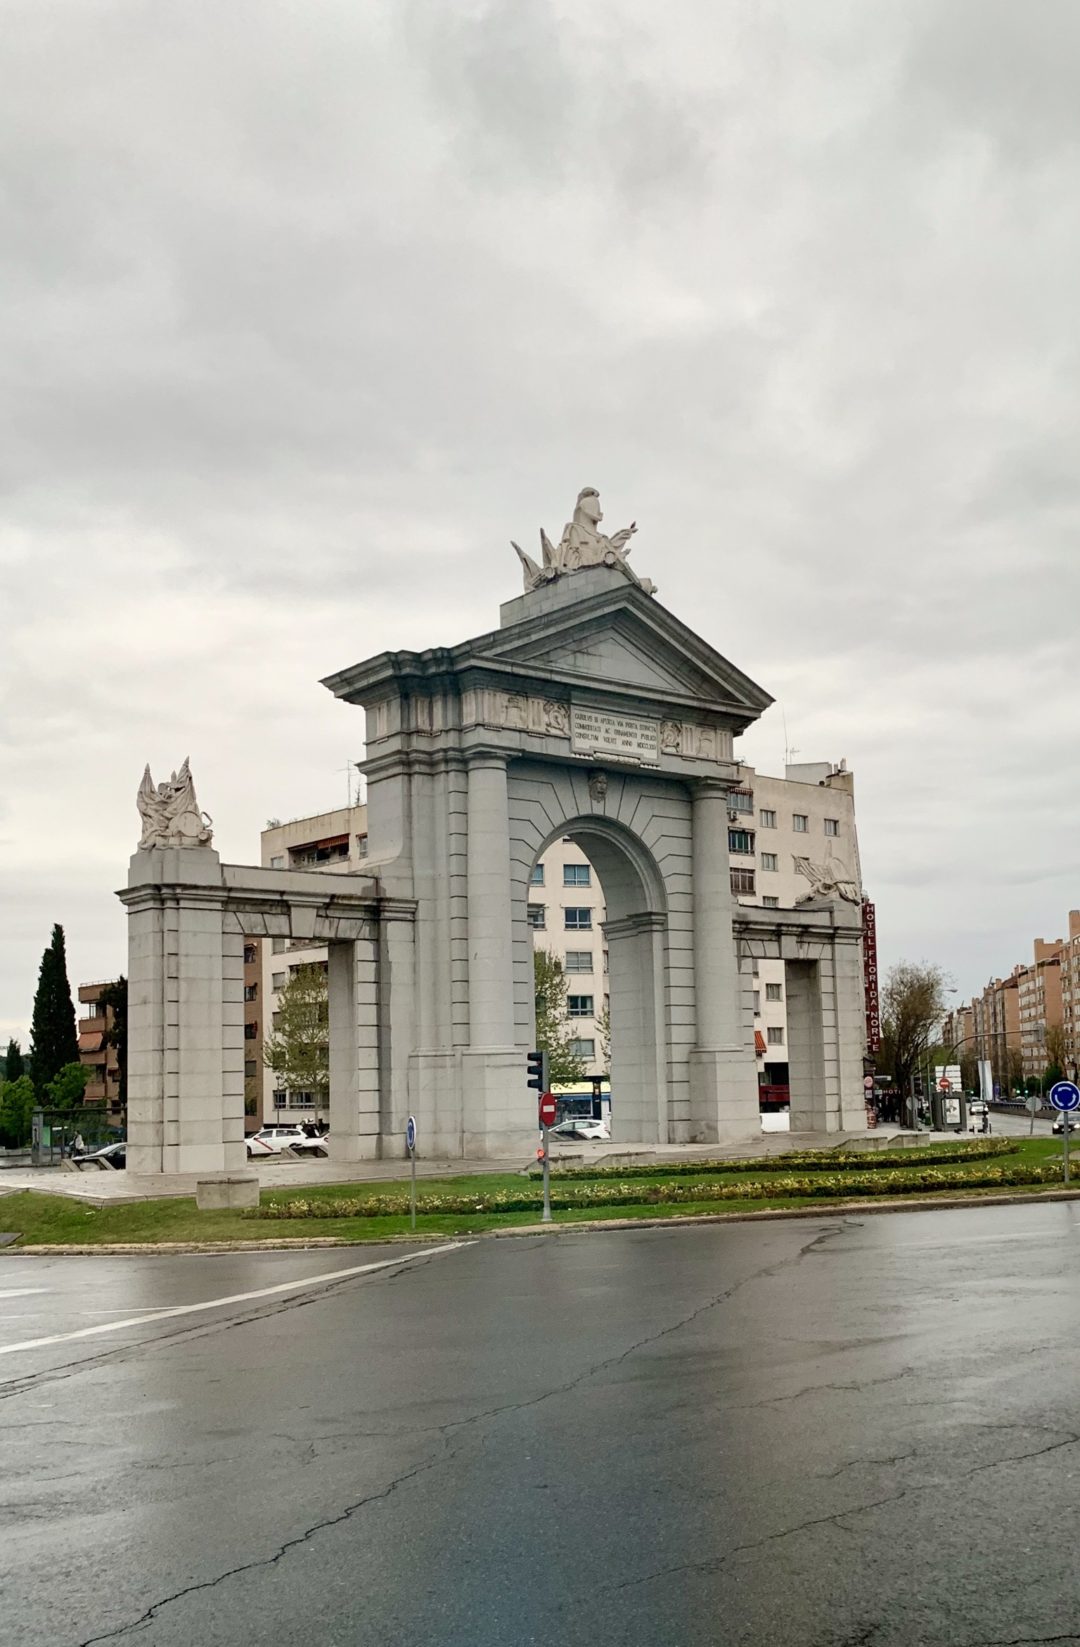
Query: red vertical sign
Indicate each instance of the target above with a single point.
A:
(870, 978)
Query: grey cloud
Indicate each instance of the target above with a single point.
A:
(312, 310)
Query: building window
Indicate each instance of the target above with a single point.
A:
(301, 1100)
(774, 1034)
(740, 800)
(251, 992)
(800, 823)
(277, 863)
(277, 946)
(281, 1098)
(537, 876)
(742, 881)
(577, 875)
(250, 1031)
(583, 1049)
(277, 980)
(578, 960)
(250, 1069)
(767, 818)
(741, 841)
(250, 954)
(605, 962)
(579, 1006)
(578, 920)
(757, 1003)
(832, 826)
(774, 992)
(538, 917)
(769, 860)
(770, 903)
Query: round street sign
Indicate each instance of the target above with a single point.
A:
(547, 1110)
(410, 1133)
(944, 1085)
(868, 1083)
(1065, 1095)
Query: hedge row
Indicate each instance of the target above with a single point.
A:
(916, 1181)
(804, 1161)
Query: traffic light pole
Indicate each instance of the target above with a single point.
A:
(545, 1216)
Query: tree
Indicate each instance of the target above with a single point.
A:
(16, 1108)
(114, 997)
(603, 1030)
(67, 1089)
(912, 1007)
(298, 1048)
(553, 1032)
(54, 1040)
(14, 1062)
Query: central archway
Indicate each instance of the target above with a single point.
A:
(635, 932)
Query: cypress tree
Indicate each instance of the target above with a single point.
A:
(14, 1062)
(54, 1040)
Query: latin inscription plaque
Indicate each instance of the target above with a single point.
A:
(624, 737)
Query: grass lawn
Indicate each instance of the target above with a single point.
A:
(57, 1220)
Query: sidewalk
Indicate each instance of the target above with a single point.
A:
(111, 1187)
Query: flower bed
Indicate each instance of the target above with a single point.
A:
(565, 1197)
(805, 1161)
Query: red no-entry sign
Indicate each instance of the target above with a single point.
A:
(547, 1110)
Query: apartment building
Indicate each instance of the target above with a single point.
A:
(334, 842)
(810, 812)
(1039, 990)
(95, 1021)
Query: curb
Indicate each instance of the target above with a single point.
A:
(169, 1249)
(832, 1209)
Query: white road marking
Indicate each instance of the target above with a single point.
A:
(233, 1298)
(20, 1292)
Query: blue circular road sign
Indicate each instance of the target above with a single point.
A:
(410, 1130)
(1065, 1095)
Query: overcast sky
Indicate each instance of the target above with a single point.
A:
(309, 309)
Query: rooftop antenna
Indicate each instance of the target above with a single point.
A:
(789, 748)
(351, 798)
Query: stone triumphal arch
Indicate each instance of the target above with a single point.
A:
(591, 712)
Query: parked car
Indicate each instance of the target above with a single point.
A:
(275, 1136)
(1069, 1120)
(109, 1155)
(584, 1128)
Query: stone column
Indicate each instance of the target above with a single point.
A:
(352, 978)
(723, 1076)
(497, 1116)
(491, 959)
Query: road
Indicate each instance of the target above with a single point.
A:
(1006, 1125)
(827, 1432)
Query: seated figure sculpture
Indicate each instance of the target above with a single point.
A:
(582, 544)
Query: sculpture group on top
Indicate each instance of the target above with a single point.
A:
(582, 544)
(170, 813)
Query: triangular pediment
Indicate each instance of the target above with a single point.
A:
(627, 642)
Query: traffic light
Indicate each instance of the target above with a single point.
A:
(537, 1065)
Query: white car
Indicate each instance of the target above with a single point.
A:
(582, 1128)
(274, 1137)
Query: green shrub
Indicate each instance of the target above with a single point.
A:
(566, 1196)
(805, 1161)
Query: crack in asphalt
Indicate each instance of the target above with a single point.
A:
(837, 1517)
(456, 1425)
(152, 1611)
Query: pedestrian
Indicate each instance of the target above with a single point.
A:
(78, 1147)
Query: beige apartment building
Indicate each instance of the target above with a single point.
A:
(1039, 990)
(809, 813)
(95, 1022)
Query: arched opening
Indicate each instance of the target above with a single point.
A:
(596, 903)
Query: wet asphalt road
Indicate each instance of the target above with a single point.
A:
(836, 1431)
